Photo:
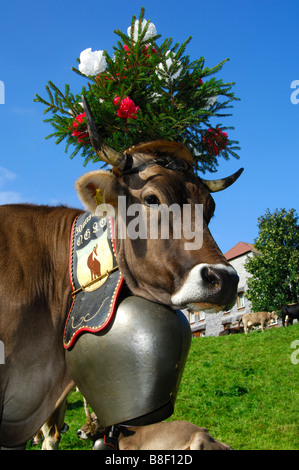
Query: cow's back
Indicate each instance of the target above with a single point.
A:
(34, 299)
(289, 313)
(291, 309)
(34, 248)
(256, 318)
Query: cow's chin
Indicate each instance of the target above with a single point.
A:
(206, 307)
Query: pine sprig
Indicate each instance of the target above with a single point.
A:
(167, 97)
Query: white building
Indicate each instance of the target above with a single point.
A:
(211, 324)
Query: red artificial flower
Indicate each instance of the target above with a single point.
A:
(126, 48)
(76, 128)
(215, 140)
(78, 119)
(153, 50)
(109, 78)
(127, 108)
(120, 77)
(144, 51)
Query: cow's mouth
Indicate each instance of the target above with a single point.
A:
(207, 287)
(206, 307)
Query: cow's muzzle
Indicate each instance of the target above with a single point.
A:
(209, 287)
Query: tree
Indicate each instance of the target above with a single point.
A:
(275, 273)
(147, 90)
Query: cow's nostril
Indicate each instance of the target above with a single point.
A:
(210, 276)
(214, 284)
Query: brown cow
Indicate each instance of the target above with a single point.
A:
(257, 318)
(165, 435)
(170, 435)
(35, 292)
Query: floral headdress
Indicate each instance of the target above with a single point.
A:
(145, 91)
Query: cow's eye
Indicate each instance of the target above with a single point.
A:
(151, 199)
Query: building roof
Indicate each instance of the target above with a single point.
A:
(239, 249)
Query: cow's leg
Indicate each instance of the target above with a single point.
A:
(245, 328)
(52, 437)
(53, 426)
(37, 438)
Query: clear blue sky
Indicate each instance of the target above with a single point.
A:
(40, 41)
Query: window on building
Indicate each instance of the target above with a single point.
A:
(196, 316)
(201, 316)
(198, 334)
(191, 315)
(241, 300)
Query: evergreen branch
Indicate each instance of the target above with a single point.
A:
(176, 99)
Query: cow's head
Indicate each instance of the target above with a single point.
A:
(92, 429)
(167, 270)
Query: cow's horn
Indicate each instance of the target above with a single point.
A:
(105, 153)
(218, 185)
(89, 422)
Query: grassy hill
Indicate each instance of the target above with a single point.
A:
(243, 389)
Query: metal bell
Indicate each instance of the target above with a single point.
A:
(130, 372)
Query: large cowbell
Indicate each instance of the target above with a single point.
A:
(130, 372)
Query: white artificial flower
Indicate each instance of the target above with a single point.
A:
(162, 71)
(151, 30)
(92, 63)
(155, 97)
(210, 102)
(73, 112)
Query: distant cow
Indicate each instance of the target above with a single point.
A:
(289, 313)
(257, 318)
(231, 331)
(172, 435)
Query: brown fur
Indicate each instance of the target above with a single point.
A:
(156, 147)
(92, 429)
(164, 275)
(35, 292)
(50, 432)
(34, 298)
(172, 435)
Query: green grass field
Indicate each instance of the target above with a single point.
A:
(243, 389)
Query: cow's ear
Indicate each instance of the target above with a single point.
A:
(97, 187)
